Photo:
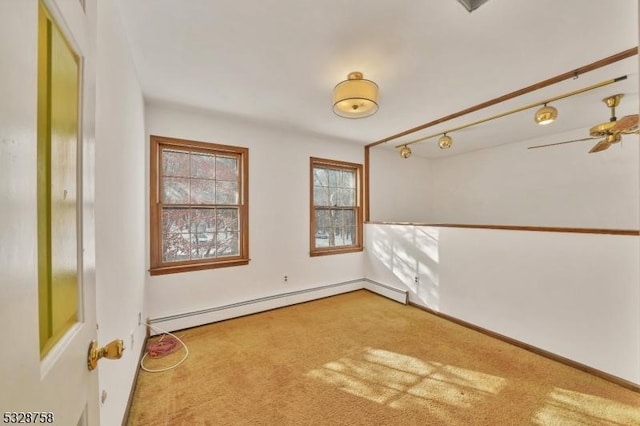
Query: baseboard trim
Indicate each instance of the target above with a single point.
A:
(389, 292)
(550, 355)
(132, 391)
(247, 307)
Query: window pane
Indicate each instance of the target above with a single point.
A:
(344, 236)
(227, 192)
(321, 196)
(346, 197)
(203, 221)
(227, 219)
(206, 246)
(320, 177)
(203, 165)
(334, 177)
(335, 227)
(175, 247)
(202, 245)
(322, 237)
(323, 219)
(334, 196)
(175, 163)
(349, 235)
(331, 241)
(202, 191)
(175, 220)
(175, 191)
(348, 179)
(349, 217)
(227, 169)
(337, 218)
(227, 244)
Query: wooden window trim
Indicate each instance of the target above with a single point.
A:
(358, 246)
(157, 266)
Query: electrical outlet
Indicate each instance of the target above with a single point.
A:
(139, 319)
(286, 278)
(415, 280)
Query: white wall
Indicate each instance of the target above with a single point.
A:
(400, 189)
(556, 186)
(120, 210)
(575, 295)
(278, 217)
(560, 186)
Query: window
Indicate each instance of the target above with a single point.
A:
(336, 212)
(199, 205)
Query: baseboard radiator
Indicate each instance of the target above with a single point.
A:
(261, 304)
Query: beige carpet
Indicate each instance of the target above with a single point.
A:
(360, 359)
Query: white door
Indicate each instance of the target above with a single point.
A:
(47, 285)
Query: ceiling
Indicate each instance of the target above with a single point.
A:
(276, 62)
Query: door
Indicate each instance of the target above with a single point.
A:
(47, 290)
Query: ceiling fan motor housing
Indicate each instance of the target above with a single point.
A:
(602, 129)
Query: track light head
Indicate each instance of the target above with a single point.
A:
(546, 115)
(405, 152)
(445, 142)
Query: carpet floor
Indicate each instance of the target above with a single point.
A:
(361, 359)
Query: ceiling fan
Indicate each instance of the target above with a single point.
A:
(611, 131)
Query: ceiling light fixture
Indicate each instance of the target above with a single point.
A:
(355, 97)
(546, 115)
(445, 142)
(405, 152)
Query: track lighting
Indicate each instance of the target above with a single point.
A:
(546, 115)
(405, 152)
(445, 142)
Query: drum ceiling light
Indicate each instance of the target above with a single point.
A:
(355, 97)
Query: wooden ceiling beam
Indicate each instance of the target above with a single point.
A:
(558, 78)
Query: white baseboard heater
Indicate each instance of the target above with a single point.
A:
(261, 304)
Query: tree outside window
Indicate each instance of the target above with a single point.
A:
(336, 215)
(199, 205)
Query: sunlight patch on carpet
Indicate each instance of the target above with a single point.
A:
(401, 381)
(565, 407)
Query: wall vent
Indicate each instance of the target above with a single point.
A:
(472, 5)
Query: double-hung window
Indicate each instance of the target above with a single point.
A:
(199, 205)
(336, 207)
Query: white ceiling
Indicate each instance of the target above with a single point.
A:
(277, 61)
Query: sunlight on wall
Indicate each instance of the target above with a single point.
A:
(407, 252)
(389, 251)
(427, 243)
(574, 408)
(401, 381)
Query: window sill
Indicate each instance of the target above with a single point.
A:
(172, 269)
(339, 250)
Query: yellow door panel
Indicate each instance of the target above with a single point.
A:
(57, 183)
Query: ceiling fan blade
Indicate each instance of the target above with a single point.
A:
(600, 146)
(560, 143)
(627, 124)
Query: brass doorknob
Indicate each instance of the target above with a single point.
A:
(112, 350)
